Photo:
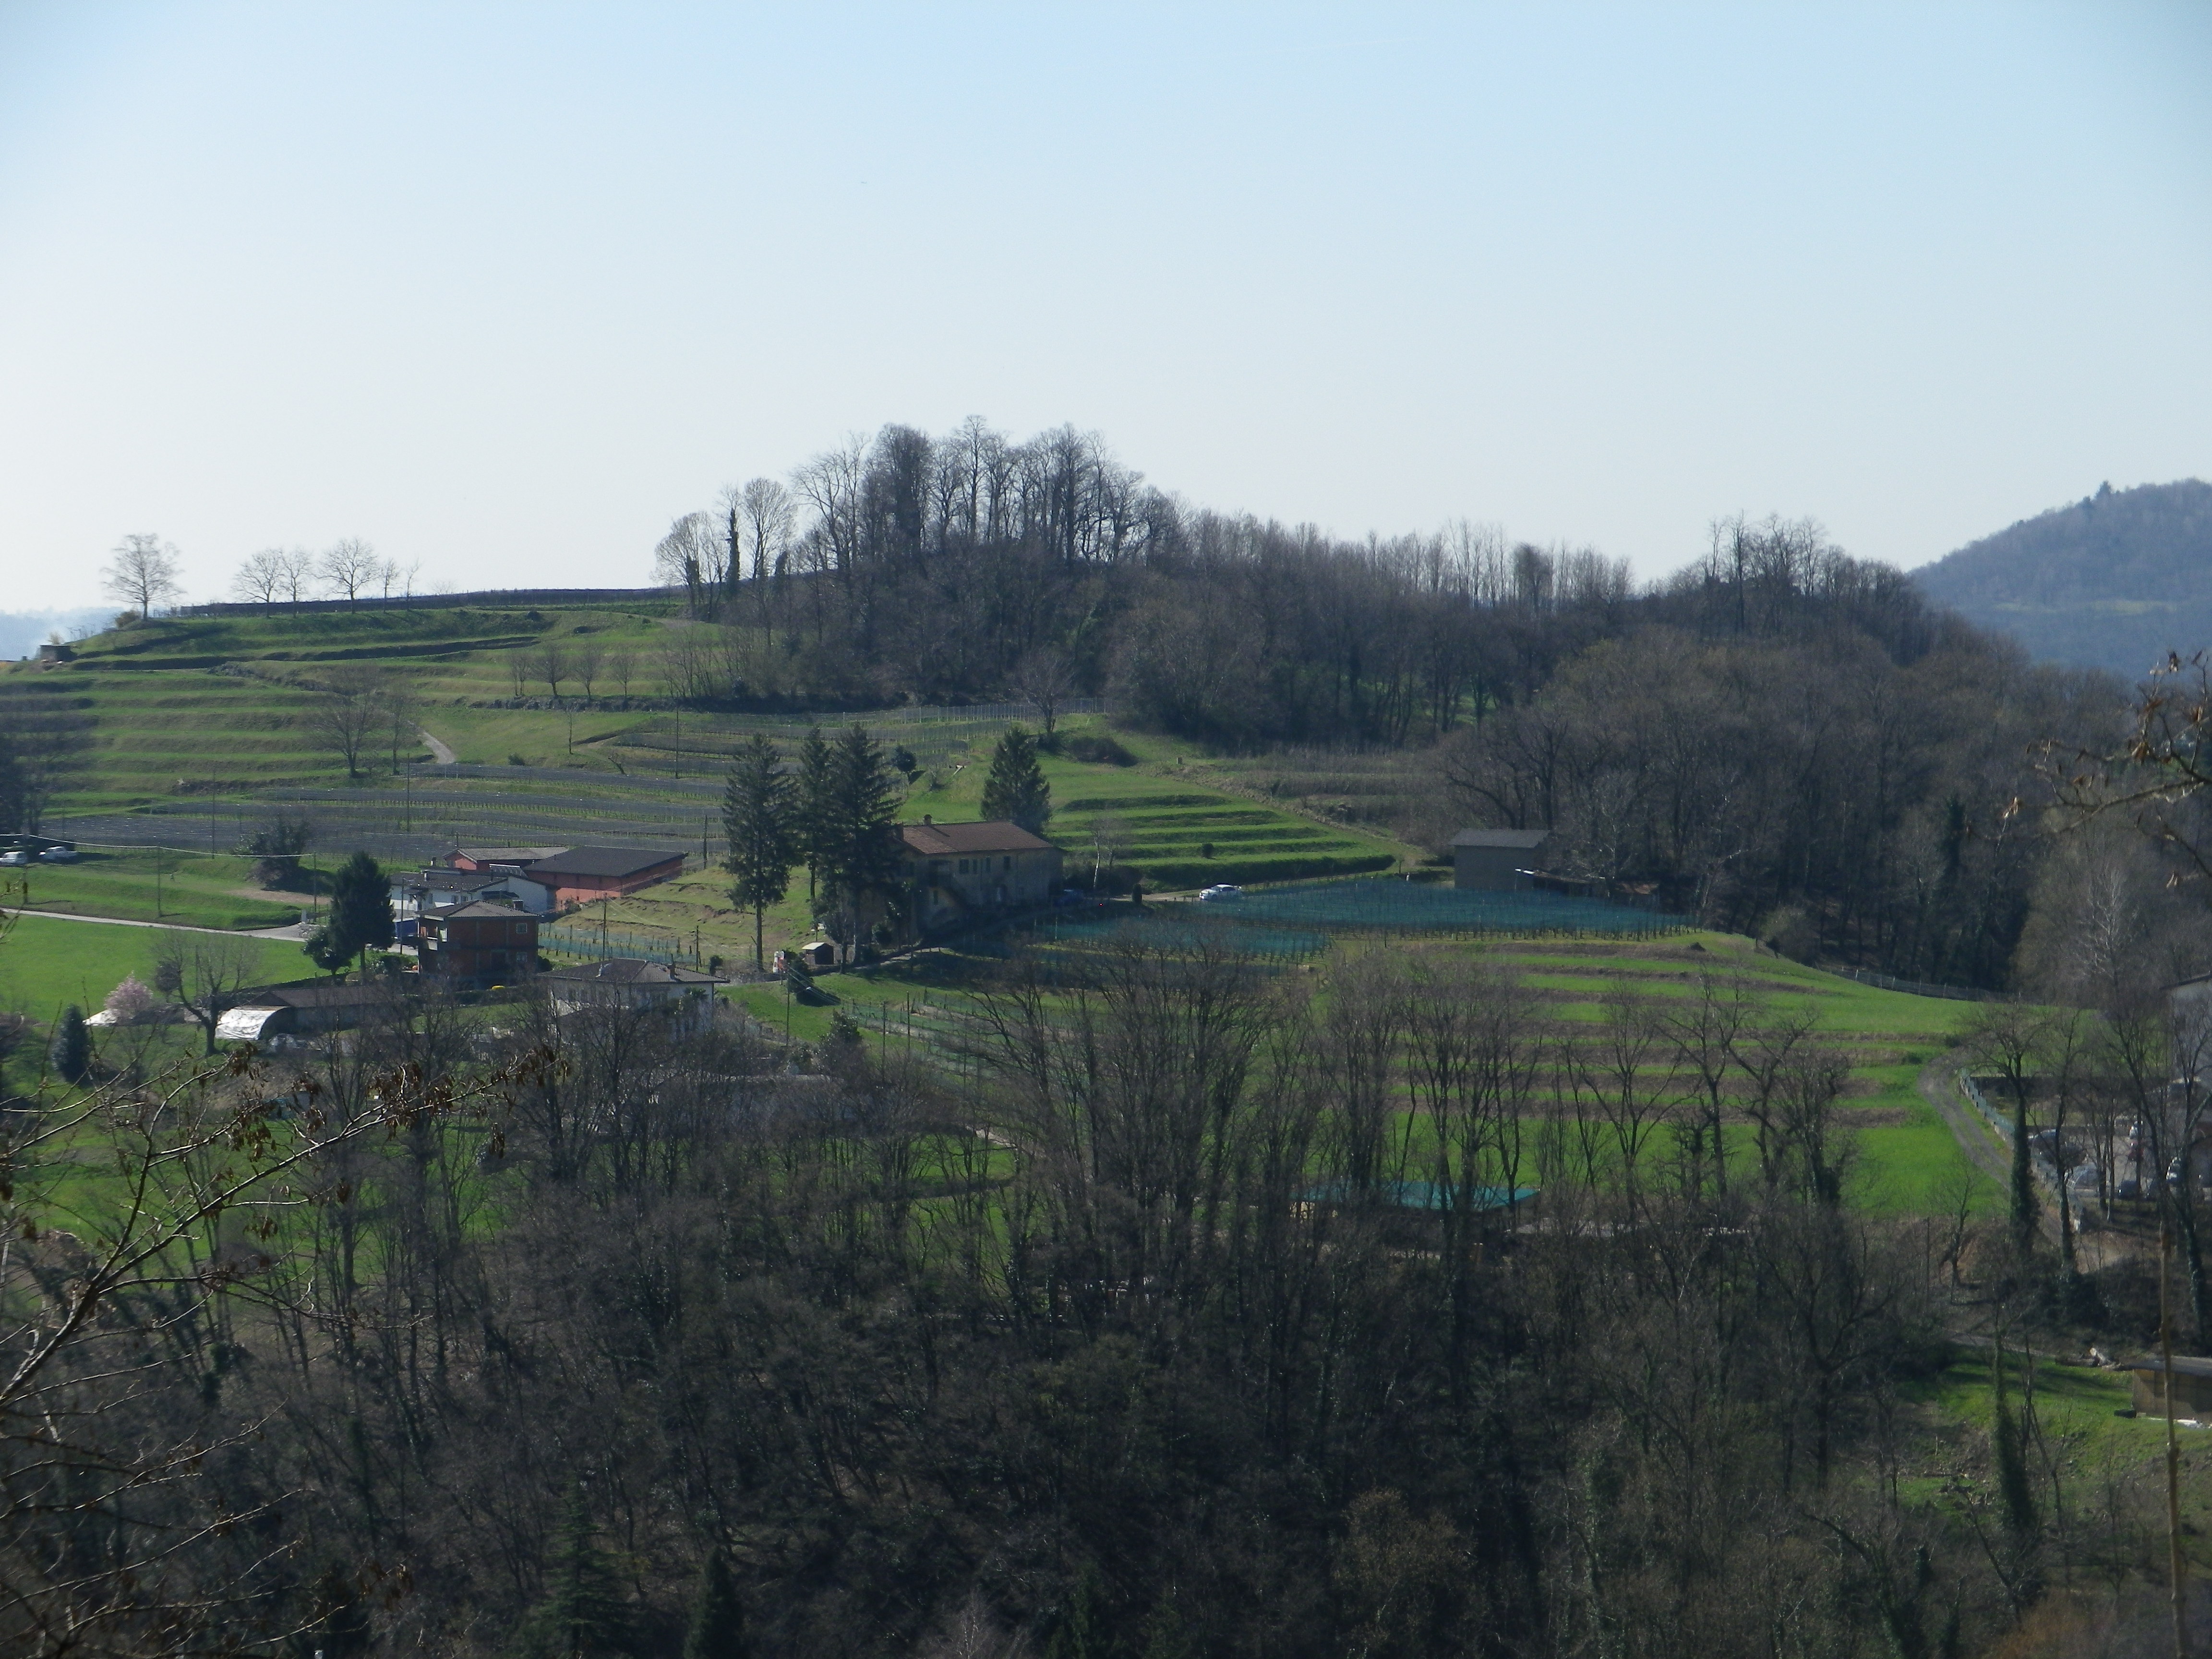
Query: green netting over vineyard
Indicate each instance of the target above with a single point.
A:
(1386, 906)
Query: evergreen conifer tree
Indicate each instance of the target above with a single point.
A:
(361, 915)
(814, 835)
(583, 1614)
(717, 1627)
(1015, 787)
(756, 821)
(864, 857)
(70, 1052)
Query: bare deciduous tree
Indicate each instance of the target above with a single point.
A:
(298, 570)
(1044, 676)
(622, 668)
(585, 661)
(349, 566)
(143, 574)
(203, 974)
(348, 717)
(552, 662)
(262, 579)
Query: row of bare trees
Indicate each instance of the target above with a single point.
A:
(349, 569)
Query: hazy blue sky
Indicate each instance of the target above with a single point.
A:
(504, 288)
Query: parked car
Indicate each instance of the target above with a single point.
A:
(15, 857)
(1224, 889)
(58, 855)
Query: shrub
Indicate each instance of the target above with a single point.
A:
(1094, 748)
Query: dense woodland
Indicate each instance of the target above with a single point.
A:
(1115, 1344)
(1779, 739)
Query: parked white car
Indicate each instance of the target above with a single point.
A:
(1223, 890)
(58, 855)
(15, 856)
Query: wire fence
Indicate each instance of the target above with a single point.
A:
(1918, 988)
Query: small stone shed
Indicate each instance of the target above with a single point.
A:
(1495, 859)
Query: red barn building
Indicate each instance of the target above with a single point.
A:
(575, 875)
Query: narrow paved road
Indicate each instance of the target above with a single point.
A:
(291, 930)
(439, 752)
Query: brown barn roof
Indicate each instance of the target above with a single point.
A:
(508, 854)
(613, 862)
(937, 841)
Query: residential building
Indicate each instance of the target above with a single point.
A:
(417, 893)
(631, 983)
(1497, 861)
(956, 873)
(478, 944)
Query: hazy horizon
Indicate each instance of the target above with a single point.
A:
(504, 290)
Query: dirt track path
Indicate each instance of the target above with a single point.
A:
(290, 930)
(439, 752)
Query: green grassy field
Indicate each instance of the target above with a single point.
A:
(158, 884)
(46, 963)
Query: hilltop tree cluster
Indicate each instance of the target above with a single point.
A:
(1780, 739)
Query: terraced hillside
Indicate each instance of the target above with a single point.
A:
(225, 706)
(1896, 1152)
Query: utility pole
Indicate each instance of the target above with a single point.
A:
(2175, 1567)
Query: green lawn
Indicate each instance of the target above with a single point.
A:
(46, 963)
(150, 885)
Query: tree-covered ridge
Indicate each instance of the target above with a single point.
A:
(2114, 581)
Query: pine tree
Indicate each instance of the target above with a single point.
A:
(583, 1615)
(865, 858)
(1015, 787)
(717, 1627)
(361, 915)
(814, 834)
(70, 1053)
(756, 821)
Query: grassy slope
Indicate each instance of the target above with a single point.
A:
(46, 962)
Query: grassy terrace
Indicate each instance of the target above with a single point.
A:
(1908, 1162)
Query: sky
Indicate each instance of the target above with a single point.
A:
(505, 289)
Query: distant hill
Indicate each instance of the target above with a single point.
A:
(2116, 580)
